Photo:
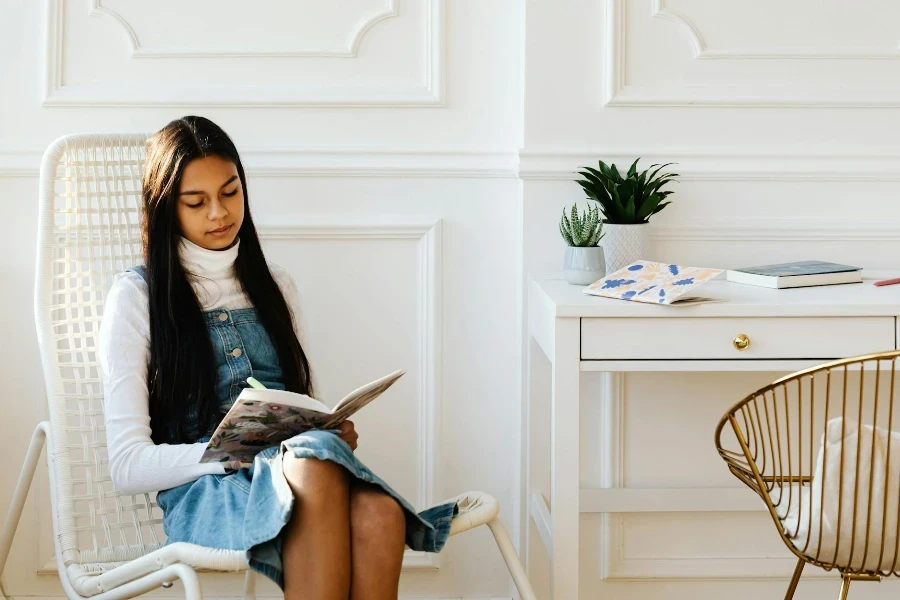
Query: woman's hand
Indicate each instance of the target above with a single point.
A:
(349, 435)
(236, 465)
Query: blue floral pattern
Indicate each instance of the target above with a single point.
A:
(614, 283)
(653, 282)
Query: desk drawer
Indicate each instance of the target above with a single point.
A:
(713, 338)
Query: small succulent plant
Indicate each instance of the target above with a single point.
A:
(581, 230)
(627, 200)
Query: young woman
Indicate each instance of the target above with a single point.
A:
(179, 337)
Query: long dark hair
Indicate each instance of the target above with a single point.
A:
(182, 369)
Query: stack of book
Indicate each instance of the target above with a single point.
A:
(796, 274)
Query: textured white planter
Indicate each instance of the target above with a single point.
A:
(624, 244)
(584, 265)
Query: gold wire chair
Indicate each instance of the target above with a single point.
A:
(821, 447)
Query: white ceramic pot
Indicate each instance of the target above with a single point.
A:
(624, 244)
(584, 265)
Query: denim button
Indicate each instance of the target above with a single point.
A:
(236, 352)
(223, 317)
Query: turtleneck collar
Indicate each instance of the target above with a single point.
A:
(212, 264)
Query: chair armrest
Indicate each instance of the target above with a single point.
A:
(199, 557)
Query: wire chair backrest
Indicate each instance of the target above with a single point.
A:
(90, 202)
(822, 449)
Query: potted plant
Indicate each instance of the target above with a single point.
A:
(627, 204)
(584, 262)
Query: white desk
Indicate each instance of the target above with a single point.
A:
(788, 330)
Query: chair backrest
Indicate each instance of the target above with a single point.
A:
(822, 449)
(88, 230)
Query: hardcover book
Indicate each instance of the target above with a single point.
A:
(796, 274)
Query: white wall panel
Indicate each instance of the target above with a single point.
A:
(699, 52)
(380, 139)
(781, 117)
(781, 120)
(229, 54)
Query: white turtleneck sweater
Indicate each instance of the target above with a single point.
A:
(136, 464)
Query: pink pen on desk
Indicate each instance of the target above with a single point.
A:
(887, 281)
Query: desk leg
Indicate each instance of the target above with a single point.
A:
(564, 457)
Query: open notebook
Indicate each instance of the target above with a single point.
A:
(654, 283)
(260, 418)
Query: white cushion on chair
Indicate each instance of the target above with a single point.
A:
(802, 509)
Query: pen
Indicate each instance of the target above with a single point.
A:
(887, 281)
(255, 384)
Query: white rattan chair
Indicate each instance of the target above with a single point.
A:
(109, 545)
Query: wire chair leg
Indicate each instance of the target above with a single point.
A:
(26, 476)
(250, 585)
(795, 579)
(845, 588)
(512, 559)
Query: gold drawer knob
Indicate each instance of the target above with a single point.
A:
(741, 341)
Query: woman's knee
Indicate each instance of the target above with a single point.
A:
(375, 514)
(314, 478)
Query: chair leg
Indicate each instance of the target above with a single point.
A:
(26, 476)
(250, 585)
(190, 581)
(795, 579)
(164, 577)
(845, 588)
(512, 559)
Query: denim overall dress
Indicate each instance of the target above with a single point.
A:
(248, 508)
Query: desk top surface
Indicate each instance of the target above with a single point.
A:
(856, 299)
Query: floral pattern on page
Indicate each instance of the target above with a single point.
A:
(261, 418)
(252, 425)
(653, 283)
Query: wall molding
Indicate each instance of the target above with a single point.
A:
(20, 162)
(615, 562)
(709, 166)
(661, 11)
(703, 52)
(367, 163)
(329, 162)
(618, 93)
(725, 165)
(707, 567)
(778, 230)
(429, 91)
(350, 47)
(428, 231)
(537, 164)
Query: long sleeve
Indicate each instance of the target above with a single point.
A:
(136, 464)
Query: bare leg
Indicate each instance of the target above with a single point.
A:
(316, 550)
(377, 531)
